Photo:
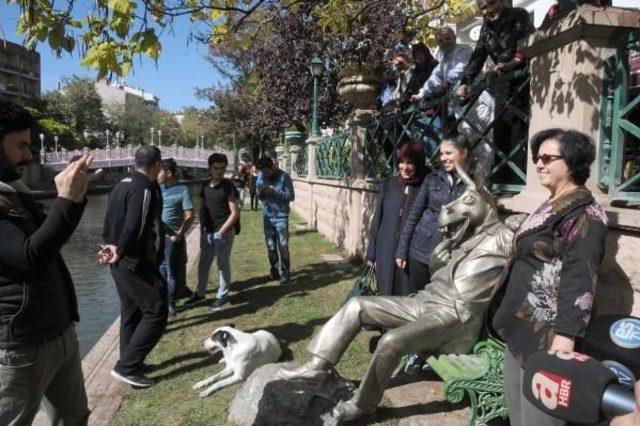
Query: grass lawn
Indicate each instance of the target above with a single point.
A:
(291, 313)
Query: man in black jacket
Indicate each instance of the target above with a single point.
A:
(38, 346)
(132, 237)
(502, 28)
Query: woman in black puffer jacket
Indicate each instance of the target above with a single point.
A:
(420, 234)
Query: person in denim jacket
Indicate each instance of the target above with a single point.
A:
(275, 189)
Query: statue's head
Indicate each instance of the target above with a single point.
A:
(472, 209)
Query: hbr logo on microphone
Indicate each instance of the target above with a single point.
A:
(551, 389)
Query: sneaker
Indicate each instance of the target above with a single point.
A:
(218, 303)
(193, 300)
(184, 293)
(140, 380)
(274, 273)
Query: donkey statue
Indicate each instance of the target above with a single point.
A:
(446, 316)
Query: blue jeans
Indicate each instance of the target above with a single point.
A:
(174, 266)
(220, 249)
(276, 235)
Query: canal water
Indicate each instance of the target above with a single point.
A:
(98, 301)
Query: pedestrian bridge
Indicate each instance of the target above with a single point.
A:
(123, 156)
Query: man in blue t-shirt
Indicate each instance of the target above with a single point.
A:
(177, 217)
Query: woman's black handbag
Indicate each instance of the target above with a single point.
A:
(365, 285)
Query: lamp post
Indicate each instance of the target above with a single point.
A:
(107, 132)
(55, 140)
(316, 67)
(159, 138)
(42, 154)
(153, 130)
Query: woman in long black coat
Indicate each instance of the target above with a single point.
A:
(394, 203)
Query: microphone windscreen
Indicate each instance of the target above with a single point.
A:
(615, 340)
(566, 385)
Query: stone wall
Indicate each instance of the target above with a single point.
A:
(340, 210)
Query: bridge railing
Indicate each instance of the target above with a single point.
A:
(123, 156)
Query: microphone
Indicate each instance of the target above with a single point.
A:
(615, 341)
(574, 387)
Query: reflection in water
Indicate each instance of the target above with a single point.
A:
(97, 297)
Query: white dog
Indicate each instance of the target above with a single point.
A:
(242, 352)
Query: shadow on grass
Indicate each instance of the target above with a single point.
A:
(202, 360)
(254, 298)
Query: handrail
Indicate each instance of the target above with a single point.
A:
(429, 121)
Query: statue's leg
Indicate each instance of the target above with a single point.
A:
(330, 343)
(426, 333)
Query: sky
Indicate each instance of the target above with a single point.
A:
(181, 68)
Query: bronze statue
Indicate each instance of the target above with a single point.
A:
(445, 316)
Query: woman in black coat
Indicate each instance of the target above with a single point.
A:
(396, 197)
(420, 234)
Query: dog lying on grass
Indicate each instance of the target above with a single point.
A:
(241, 352)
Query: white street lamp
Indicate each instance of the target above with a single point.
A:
(55, 140)
(107, 132)
(153, 130)
(41, 136)
(159, 138)
(118, 135)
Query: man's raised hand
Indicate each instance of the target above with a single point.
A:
(73, 181)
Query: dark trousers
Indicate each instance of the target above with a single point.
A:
(143, 313)
(419, 275)
(254, 199)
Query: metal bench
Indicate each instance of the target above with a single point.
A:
(479, 375)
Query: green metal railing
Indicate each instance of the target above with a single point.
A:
(619, 156)
(301, 165)
(431, 120)
(333, 156)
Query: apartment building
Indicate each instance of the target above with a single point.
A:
(19, 72)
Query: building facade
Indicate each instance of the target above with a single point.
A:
(19, 72)
(120, 94)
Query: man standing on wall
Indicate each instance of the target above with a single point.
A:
(177, 217)
(39, 354)
(132, 236)
(275, 189)
(219, 214)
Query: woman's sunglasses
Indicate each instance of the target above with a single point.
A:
(546, 158)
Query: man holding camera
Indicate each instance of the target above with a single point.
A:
(39, 357)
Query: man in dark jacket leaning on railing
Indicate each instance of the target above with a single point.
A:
(38, 346)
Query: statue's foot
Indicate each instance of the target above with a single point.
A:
(308, 371)
(348, 411)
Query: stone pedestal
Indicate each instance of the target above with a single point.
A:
(267, 399)
(567, 63)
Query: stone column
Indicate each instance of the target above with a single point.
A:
(567, 63)
(295, 150)
(362, 92)
(280, 157)
(312, 173)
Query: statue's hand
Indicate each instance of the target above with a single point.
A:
(441, 254)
